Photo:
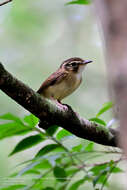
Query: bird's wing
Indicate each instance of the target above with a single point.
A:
(55, 78)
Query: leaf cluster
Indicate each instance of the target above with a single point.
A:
(61, 158)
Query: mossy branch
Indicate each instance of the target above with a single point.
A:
(47, 111)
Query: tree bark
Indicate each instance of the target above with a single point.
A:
(113, 16)
(5, 2)
(47, 111)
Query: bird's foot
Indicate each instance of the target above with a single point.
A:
(67, 106)
(61, 106)
(64, 107)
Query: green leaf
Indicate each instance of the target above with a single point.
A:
(27, 143)
(11, 117)
(27, 168)
(17, 127)
(89, 147)
(48, 188)
(80, 2)
(51, 130)
(32, 171)
(101, 171)
(47, 149)
(58, 160)
(71, 171)
(101, 177)
(77, 148)
(62, 133)
(44, 164)
(62, 186)
(117, 170)
(105, 108)
(35, 166)
(97, 120)
(114, 168)
(12, 129)
(77, 184)
(65, 160)
(60, 173)
(31, 120)
(14, 187)
(98, 169)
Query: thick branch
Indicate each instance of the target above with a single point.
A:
(46, 110)
(5, 2)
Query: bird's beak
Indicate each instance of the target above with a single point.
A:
(87, 61)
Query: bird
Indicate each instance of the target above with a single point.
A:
(64, 81)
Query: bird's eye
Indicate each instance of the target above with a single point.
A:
(73, 64)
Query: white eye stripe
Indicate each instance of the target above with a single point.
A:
(75, 62)
(72, 63)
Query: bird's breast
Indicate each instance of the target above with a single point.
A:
(64, 88)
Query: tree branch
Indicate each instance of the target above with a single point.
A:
(5, 2)
(47, 110)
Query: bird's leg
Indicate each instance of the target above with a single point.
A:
(65, 105)
(61, 106)
(68, 107)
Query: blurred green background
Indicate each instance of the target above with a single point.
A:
(35, 37)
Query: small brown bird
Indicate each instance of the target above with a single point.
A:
(64, 81)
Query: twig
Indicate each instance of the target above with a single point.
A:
(66, 149)
(110, 172)
(96, 151)
(100, 164)
(40, 177)
(57, 142)
(5, 2)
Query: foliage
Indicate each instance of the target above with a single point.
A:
(61, 159)
(80, 2)
(58, 156)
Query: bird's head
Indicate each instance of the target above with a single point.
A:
(74, 64)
